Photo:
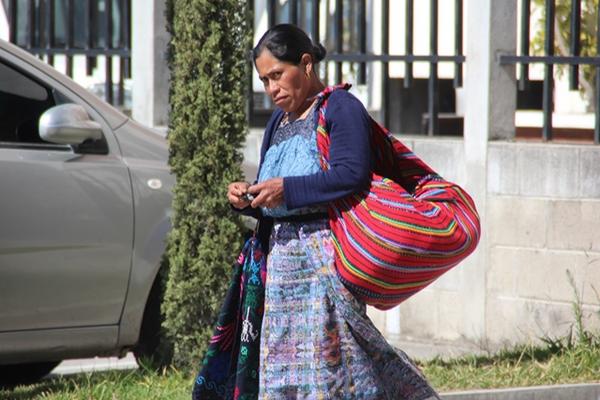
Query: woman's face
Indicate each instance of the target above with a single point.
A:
(286, 83)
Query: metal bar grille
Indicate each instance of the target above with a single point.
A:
(458, 44)
(272, 13)
(597, 119)
(433, 101)
(41, 23)
(315, 21)
(346, 27)
(293, 17)
(410, 11)
(362, 39)
(31, 24)
(120, 87)
(525, 27)
(574, 59)
(575, 44)
(90, 62)
(108, 83)
(339, 38)
(126, 36)
(510, 59)
(548, 70)
(70, 34)
(358, 57)
(50, 31)
(12, 21)
(385, 49)
(82, 35)
(76, 52)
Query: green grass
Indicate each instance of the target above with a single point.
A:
(554, 363)
(524, 366)
(574, 358)
(113, 385)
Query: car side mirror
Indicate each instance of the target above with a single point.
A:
(68, 124)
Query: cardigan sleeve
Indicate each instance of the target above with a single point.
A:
(349, 128)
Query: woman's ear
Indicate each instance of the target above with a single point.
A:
(306, 61)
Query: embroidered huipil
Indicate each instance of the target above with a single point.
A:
(293, 153)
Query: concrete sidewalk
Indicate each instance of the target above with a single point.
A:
(97, 364)
(555, 392)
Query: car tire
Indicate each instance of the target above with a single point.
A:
(22, 374)
(148, 352)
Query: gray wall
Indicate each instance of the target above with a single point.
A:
(543, 212)
(543, 220)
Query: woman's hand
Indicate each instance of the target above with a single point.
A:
(268, 193)
(235, 193)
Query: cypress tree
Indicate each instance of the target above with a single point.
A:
(208, 57)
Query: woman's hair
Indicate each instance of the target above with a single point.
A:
(287, 43)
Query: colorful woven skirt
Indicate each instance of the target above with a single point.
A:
(317, 341)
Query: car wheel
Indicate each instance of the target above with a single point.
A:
(21, 374)
(148, 352)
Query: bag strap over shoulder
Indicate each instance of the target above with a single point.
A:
(392, 158)
(330, 89)
(322, 133)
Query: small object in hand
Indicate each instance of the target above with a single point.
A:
(248, 197)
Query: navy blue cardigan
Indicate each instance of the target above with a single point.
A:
(349, 129)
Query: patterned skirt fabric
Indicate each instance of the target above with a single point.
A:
(317, 341)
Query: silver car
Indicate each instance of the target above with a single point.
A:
(84, 212)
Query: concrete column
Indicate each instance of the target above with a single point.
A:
(261, 24)
(3, 23)
(490, 103)
(502, 80)
(149, 65)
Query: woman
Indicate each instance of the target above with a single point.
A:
(316, 339)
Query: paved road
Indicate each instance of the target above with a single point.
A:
(95, 364)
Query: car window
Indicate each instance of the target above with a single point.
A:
(23, 99)
(15, 83)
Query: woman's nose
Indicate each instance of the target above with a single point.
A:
(273, 88)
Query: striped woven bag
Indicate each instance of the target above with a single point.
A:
(407, 229)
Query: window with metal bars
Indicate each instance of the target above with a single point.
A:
(92, 28)
(348, 28)
(565, 46)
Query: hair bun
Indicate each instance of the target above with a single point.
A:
(319, 52)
